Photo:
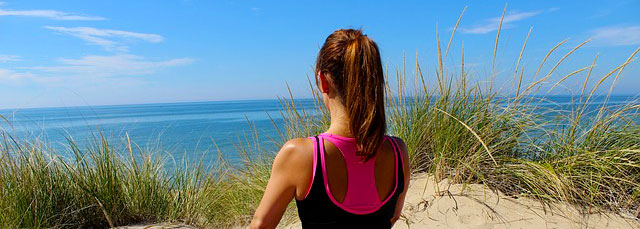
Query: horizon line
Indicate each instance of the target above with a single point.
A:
(233, 100)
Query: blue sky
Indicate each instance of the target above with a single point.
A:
(75, 53)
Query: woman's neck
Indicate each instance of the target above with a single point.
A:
(339, 121)
(341, 130)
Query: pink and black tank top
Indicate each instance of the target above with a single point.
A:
(362, 207)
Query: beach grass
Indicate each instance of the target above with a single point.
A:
(583, 153)
(456, 129)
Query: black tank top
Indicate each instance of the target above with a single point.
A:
(318, 211)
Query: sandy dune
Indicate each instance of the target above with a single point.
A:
(426, 207)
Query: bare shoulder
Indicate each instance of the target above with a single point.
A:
(297, 147)
(297, 143)
(294, 163)
(294, 153)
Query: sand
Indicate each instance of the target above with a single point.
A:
(428, 205)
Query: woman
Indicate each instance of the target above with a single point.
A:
(352, 175)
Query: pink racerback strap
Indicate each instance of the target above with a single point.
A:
(362, 195)
(315, 163)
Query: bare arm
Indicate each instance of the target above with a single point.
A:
(285, 174)
(407, 178)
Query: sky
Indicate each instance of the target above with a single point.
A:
(79, 53)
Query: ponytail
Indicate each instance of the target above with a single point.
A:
(353, 63)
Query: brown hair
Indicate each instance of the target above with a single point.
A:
(352, 62)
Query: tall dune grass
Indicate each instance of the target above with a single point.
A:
(107, 185)
(469, 133)
(454, 128)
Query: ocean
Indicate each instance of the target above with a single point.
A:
(190, 130)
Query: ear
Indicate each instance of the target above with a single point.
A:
(324, 82)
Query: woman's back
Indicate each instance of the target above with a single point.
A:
(344, 190)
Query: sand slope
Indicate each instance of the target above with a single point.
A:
(428, 205)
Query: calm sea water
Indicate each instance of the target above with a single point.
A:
(182, 130)
(193, 130)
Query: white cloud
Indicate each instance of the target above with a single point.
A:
(616, 35)
(7, 58)
(106, 37)
(51, 14)
(89, 70)
(9, 75)
(115, 65)
(493, 24)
